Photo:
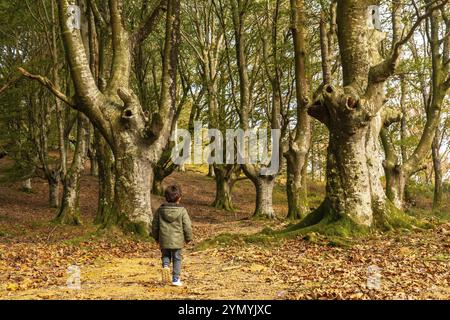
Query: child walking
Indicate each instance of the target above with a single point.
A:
(171, 228)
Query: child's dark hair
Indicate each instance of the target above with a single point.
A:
(173, 193)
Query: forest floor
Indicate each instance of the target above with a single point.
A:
(35, 254)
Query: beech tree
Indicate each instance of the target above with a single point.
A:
(299, 144)
(136, 139)
(353, 114)
(399, 170)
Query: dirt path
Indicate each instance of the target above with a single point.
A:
(139, 278)
(215, 273)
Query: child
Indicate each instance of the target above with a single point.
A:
(171, 228)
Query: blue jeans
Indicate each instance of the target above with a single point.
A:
(173, 255)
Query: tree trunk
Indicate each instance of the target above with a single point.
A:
(94, 166)
(437, 196)
(226, 176)
(296, 185)
(355, 198)
(211, 172)
(396, 180)
(105, 179)
(53, 186)
(158, 188)
(297, 154)
(69, 212)
(26, 186)
(92, 152)
(264, 188)
(352, 174)
(136, 138)
(132, 209)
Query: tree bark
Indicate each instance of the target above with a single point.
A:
(296, 186)
(437, 167)
(296, 156)
(106, 179)
(397, 174)
(69, 212)
(92, 152)
(158, 188)
(226, 176)
(132, 192)
(353, 178)
(352, 115)
(264, 189)
(26, 186)
(136, 140)
(211, 172)
(53, 186)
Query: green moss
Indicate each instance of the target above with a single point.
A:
(394, 218)
(222, 239)
(136, 228)
(26, 190)
(112, 220)
(80, 239)
(321, 226)
(69, 218)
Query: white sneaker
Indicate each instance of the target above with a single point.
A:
(165, 275)
(177, 283)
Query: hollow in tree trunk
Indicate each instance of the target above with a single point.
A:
(355, 197)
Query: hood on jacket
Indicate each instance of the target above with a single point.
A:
(170, 212)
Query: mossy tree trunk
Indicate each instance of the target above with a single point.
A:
(353, 116)
(136, 139)
(226, 176)
(296, 184)
(297, 153)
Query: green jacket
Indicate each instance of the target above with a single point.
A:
(171, 226)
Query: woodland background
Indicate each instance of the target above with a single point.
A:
(359, 90)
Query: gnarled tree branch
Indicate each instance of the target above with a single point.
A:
(47, 83)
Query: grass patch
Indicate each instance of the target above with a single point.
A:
(83, 238)
(223, 239)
